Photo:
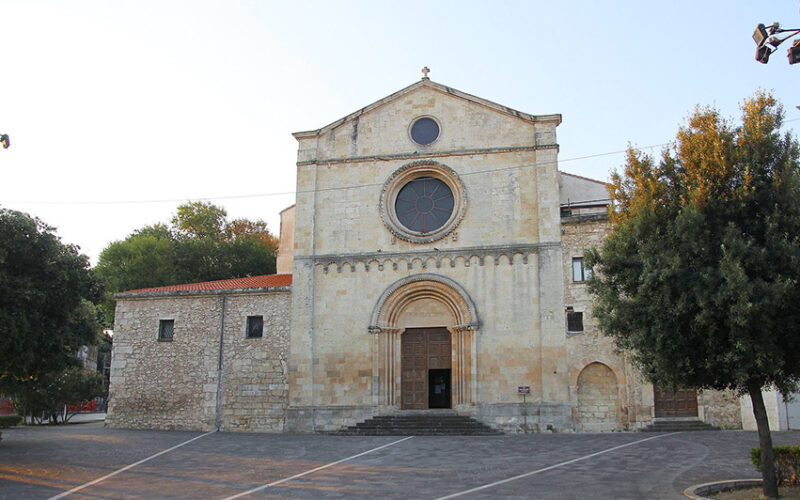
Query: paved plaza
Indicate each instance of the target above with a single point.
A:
(45, 462)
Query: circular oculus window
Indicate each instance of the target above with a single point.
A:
(422, 202)
(425, 131)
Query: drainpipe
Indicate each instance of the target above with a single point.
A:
(217, 419)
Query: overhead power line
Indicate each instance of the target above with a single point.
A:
(286, 193)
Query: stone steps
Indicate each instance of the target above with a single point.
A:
(420, 424)
(678, 426)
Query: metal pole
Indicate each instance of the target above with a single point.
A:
(525, 413)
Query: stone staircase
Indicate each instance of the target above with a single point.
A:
(420, 423)
(678, 425)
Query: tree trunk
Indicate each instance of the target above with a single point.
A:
(770, 487)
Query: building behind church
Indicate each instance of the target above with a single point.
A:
(433, 261)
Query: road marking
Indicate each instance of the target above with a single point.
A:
(545, 469)
(118, 471)
(265, 486)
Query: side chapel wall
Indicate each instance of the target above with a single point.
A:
(636, 405)
(173, 384)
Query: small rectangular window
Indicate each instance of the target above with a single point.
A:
(574, 321)
(580, 272)
(255, 327)
(166, 327)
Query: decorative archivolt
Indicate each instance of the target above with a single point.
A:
(401, 293)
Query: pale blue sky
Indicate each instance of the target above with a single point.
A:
(174, 100)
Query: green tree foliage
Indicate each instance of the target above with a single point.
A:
(199, 245)
(48, 397)
(45, 293)
(197, 220)
(698, 279)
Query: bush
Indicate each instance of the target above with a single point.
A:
(787, 463)
(7, 421)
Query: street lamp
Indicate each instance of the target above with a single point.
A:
(767, 42)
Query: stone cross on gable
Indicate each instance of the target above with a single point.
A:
(425, 72)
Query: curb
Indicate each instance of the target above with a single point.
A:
(697, 491)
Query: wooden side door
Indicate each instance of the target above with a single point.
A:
(415, 369)
(680, 403)
(439, 354)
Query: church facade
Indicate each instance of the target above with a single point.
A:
(433, 260)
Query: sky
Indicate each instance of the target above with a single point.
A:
(118, 111)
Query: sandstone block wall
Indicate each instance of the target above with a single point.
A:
(505, 251)
(173, 384)
(590, 353)
(720, 408)
(283, 262)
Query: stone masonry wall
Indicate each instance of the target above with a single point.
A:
(164, 385)
(579, 233)
(173, 384)
(504, 253)
(720, 408)
(254, 384)
(598, 399)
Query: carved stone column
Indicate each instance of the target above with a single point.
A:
(463, 364)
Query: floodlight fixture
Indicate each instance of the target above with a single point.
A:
(794, 52)
(762, 54)
(760, 34)
(767, 42)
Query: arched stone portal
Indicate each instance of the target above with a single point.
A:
(423, 301)
(598, 401)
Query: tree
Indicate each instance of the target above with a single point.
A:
(698, 278)
(199, 245)
(46, 313)
(45, 293)
(143, 259)
(196, 219)
(49, 396)
(245, 228)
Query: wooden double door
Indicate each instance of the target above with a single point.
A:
(427, 379)
(671, 404)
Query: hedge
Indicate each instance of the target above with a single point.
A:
(7, 421)
(787, 463)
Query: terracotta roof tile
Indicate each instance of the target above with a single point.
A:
(263, 281)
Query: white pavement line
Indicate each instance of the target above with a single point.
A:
(99, 479)
(537, 471)
(279, 481)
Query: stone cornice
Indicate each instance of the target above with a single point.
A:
(578, 218)
(423, 155)
(552, 118)
(479, 253)
(188, 293)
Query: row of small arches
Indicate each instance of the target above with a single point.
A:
(427, 262)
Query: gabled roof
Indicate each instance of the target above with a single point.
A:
(440, 88)
(263, 281)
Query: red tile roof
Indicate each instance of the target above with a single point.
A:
(263, 281)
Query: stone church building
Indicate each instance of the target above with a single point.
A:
(433, 260)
